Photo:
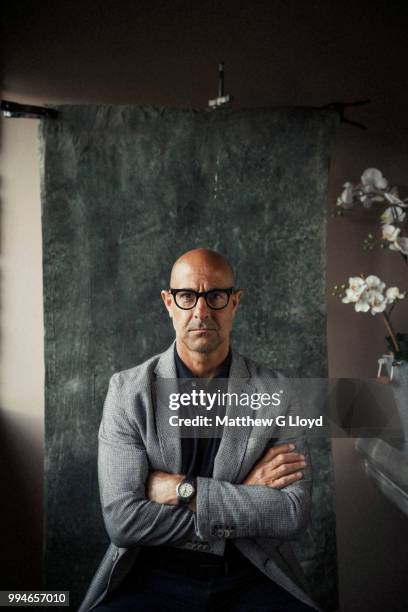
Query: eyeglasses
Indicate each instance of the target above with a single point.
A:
(216, 299)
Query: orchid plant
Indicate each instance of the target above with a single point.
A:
(369, 294)
(374, 188)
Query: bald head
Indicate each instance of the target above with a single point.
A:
(203, 260)
(202, 330)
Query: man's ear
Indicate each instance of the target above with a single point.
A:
(167, 299)
(236, 298)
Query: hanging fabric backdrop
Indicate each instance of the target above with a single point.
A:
(126, 190)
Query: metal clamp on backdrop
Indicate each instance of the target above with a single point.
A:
(14, 110)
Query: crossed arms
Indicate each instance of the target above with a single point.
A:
(278, 468)
(140, 506)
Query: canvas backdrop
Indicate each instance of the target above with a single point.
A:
(125, 191)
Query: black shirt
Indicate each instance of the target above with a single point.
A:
(197, 453)
(198, 456)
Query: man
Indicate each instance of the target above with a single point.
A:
(198, 523)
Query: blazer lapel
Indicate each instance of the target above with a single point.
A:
(167, 382)
(234, 441)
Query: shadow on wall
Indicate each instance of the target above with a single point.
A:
(21, 463)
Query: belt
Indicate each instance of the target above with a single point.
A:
(193, 564)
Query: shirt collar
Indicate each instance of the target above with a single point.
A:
(184, 372)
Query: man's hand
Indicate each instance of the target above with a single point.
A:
(279, 467)
(161, 487)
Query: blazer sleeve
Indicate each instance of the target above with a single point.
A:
(234, 510)
(130, 518)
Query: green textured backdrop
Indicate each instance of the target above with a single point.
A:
(126, 190)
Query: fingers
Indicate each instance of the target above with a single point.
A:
(274, 451)
(284, 469)
(277, 456)
(280, 466)
(269, 475)
(283, 482)
(284, 459)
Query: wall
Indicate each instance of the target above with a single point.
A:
(166, 53)
(21, 356)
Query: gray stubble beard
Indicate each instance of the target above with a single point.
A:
(204, 349)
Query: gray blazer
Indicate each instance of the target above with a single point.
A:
(134, 440)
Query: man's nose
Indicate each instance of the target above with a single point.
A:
(201, 309)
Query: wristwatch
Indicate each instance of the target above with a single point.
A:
(186, 489)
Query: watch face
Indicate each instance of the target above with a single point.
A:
(186, 489)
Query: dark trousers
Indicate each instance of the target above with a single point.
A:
(160, 589)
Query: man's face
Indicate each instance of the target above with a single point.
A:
(202, 329)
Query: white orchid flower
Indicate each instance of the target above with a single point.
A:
(400, 244)
(351, 297)
(356, 287)
(393, 293)
(390, 232)
(374, 283)
(374, 178)
(380, 307)
(377, 301)
(357, 283)
(362, 305)
(373, 183)
(393, 214)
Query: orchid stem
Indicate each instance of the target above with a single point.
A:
(391, 309)
(390, 331)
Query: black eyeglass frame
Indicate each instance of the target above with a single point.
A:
(229, 291)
